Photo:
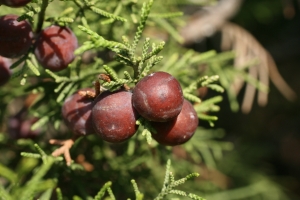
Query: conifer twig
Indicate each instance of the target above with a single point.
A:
(66, 145)
(41, 15)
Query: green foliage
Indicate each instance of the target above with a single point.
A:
(170, 183)
(116, 39)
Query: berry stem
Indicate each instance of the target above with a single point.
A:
(41, 16)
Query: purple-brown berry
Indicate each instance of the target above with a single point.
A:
(55, 47)
(114, 117)
(158, 97)
(179, 130)
(14, 3)
(76, 112)
(15, 37)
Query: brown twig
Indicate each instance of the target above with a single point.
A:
(66, 145)
(87, 94)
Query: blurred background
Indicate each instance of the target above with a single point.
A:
(268, 137)
(265, 161)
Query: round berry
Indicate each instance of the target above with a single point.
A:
(19, 127)
(15, 37)
(114, 117)
(14, 3)
(55, 47)
(179, 130)
(5, 72)
(76, 112)
(158, 97)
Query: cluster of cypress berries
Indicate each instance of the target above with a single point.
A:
(53, 47)
(157, 98)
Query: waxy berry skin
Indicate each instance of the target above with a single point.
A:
(15, 37)
(114, 117)
(158, 97)
(14, 3)
(5, 72)
(55, 46)
(77, 113)
(179, 130)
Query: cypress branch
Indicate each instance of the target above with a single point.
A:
(57, 78)
(99, 41)
(106, 14)
(127, 76)
(41, 152)
(151, 63)
(33, 68)
(145, 48)
(59, 87)
(31, 155)
(101, 193)
(166, 15)
(116, 12)
(4, 194)
(29, 188)
(138, 194)
(125, 41)
(41, 122)
(111, 194)
(144, 16)
(65, 92)
(146, 133)
(28, 15)
(155, 51)
(191, 97)
(111, 73)
(8, 174)
(170, 183)
(23, 80)
(59, 195)
(215, 87)
(195, 197)
(178, 192)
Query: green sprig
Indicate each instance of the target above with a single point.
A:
(59, 194)
(145, 48)
(33, 68)
(155, 50)
(111, 73)
(41, 122)
(8, 174)
(65, 92)
(106, 14)
(144, 15)
(127, 76)
(154, 60)
(101, 193)
(138, 194)
(191, 97)
(4, 194)
(57, 78)
(31, 155)
(98, 41)
(119, 82)
(170, 183)
(111, 194)
(148, 129)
